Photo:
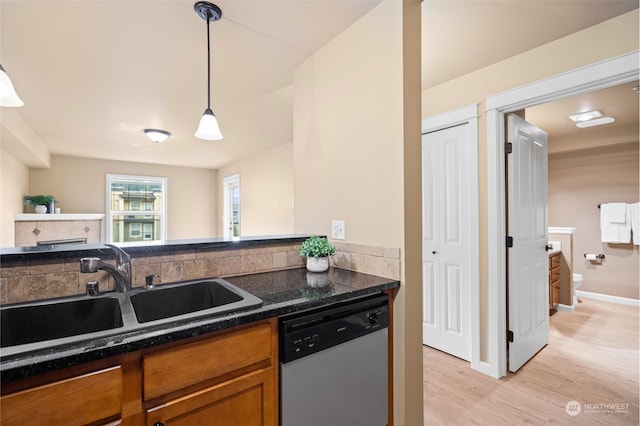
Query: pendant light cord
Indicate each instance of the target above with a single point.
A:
(208, 66)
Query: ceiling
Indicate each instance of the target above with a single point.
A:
(94, 73)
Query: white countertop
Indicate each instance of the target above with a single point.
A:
(20, 217)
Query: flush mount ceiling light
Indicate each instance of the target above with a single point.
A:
(208, 128)
(8, 95)
(596, 122)
(157, 136)
(585, 116)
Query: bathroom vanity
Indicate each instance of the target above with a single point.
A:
(554, 279)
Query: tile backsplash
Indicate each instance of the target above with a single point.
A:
(27, 280)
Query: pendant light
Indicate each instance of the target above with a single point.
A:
(208, 128)
(8, 95)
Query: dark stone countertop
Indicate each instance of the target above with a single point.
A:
(282, 292)
(62, 251)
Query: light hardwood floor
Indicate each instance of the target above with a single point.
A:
(592, 358)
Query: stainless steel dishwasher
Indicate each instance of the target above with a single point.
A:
(333, 365)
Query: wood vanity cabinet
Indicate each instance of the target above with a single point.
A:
(226, 378)
(554, 280)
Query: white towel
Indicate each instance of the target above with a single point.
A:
(634, 210)
(616, 212)
(612, 230)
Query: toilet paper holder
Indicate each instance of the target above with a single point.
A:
(597, 256)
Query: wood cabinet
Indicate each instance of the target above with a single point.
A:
(554, 280)
(93, 398)
(226, 378)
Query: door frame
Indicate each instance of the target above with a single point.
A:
(469, 115)
(610, 72)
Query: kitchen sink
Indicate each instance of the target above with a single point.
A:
(45, 324)
(196, 298)
(38, 322)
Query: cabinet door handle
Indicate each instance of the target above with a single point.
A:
(434, 252)
(158, 424)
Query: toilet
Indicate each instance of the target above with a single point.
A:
(577, 280)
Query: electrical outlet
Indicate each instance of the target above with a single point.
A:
(337, 230)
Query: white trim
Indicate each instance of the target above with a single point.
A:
(565, 308)
(608, 298)
(614, 71)
(467, 114)
(611, 72)
(450, 118)
(568, 230)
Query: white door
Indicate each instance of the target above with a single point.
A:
(528, 263)
(446, 240)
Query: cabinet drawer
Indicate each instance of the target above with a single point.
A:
(554, 261)
(555, 275)
(176, 368)
(80, 400)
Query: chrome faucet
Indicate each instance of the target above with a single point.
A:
(121, 272)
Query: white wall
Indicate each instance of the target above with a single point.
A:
(266, 191)
(14, 184)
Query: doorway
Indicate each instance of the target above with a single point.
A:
(231, 215)
(618, 70)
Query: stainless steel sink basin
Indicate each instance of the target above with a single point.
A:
(47, 321)
(190, 299)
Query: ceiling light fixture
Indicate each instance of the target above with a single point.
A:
(596, 122)
(8, 95)
(585, 116)
(157, 136)
(208, 128)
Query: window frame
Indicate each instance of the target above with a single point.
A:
(161, 213)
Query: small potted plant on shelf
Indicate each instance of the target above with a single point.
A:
(317, 250)
(40, 202)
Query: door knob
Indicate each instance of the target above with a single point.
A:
(548, 247)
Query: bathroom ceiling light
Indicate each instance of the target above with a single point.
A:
(585, 116)
(8, 95)
(208, 128)
(596, 122)
(157, 136)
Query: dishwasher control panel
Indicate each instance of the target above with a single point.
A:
(309, 332)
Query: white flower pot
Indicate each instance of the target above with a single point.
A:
(317, 264)
(40, 209)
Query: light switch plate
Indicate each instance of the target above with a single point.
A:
(337, 230)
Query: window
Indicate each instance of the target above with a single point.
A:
(136, 209)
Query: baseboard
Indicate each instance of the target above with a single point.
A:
(565, 308)
(608, 298)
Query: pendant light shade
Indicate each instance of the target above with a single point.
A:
(8, 95)
(208, 128)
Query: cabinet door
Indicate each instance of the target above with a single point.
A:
(244, 401)
(88, 399)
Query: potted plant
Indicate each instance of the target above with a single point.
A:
(317, 250)
(40, 202)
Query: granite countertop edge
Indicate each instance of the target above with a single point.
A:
(30, 364)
